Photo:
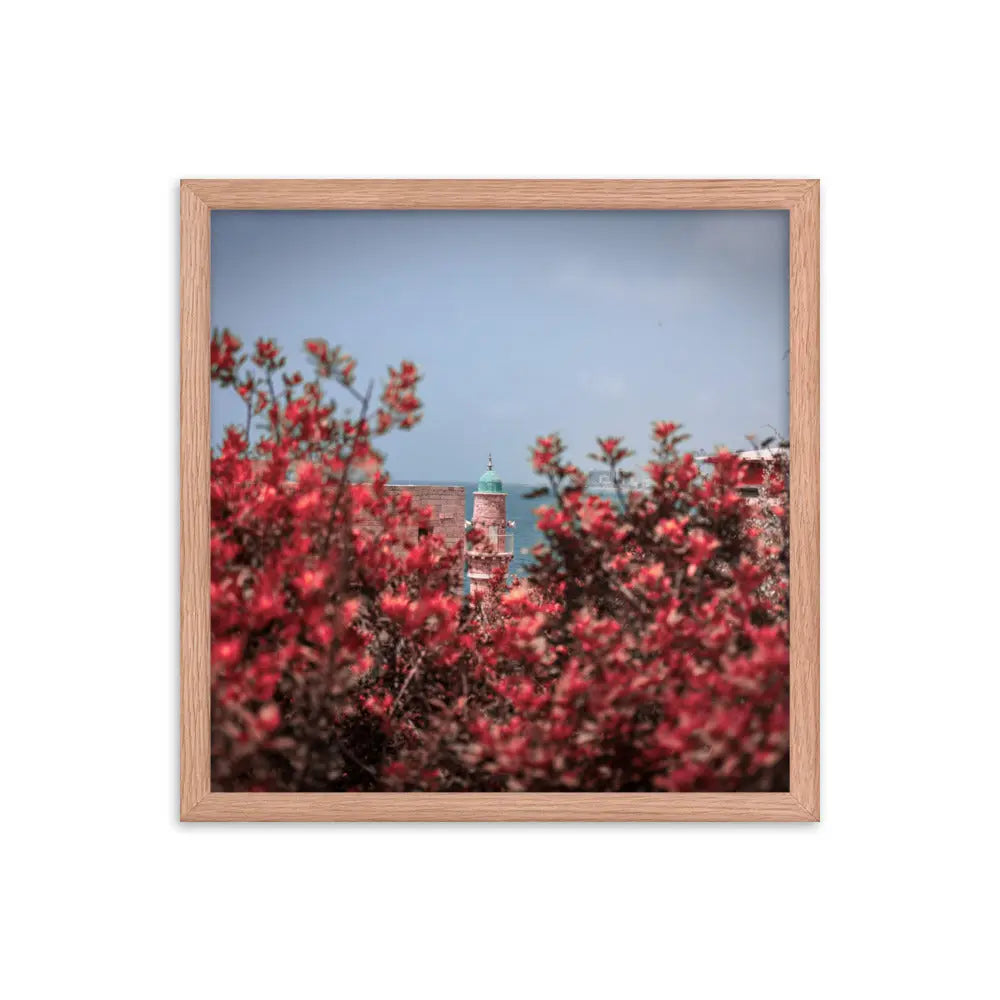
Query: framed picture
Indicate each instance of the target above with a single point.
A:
(499, 500)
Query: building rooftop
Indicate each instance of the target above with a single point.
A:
(753, 455)
(489, 481)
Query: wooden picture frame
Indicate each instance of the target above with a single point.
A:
(198, 198)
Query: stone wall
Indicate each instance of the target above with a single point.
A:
(447, 502)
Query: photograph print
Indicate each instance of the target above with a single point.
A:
(499, 501)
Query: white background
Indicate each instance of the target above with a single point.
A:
(107, 106)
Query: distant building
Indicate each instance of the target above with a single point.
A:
(489, 515)
(447, 504)
(601, 479)
(755, 465)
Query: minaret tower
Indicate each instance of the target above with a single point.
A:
(489, 515)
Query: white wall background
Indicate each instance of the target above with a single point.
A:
(108, 105)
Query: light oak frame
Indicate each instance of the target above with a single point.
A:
(199, 197)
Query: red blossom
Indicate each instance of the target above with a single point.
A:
(663, 429)
(269, 717)
(700, 546)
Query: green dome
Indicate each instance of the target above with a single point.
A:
(489, 481)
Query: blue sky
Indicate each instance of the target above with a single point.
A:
(523, 323)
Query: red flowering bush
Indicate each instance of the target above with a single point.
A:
(647, 648)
